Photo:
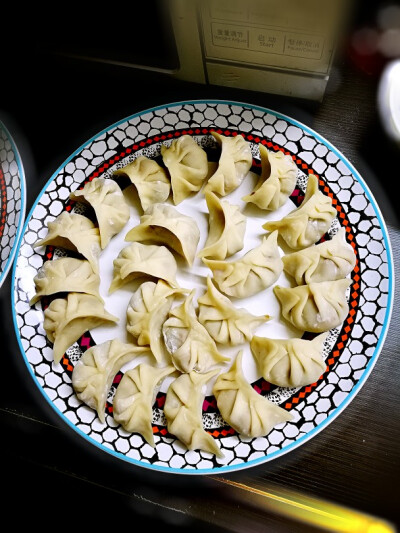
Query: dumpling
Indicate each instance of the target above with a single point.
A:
(277, 181)
(234, 163)
(188, 166)
(254, 272)
(328, 261)
(109, 204)
(290, 362)
(183, 411)
(316, 307)
(74, 232)
(138, 260)
(135, 396)
(66, 274)
(305, 225)
(147, 311)
(227, 226)
(188, 342)
(164, 224)
(149, 179)
(94, 373)
(224, 322)
(246, 411)
(67, 319)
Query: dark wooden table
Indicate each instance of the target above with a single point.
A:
(48, 471)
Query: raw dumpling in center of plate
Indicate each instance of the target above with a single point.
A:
(254, 272)
(224, 322)
(147, 311)
(143, 260)
(189, 343)
(164, 224)
(227, 226)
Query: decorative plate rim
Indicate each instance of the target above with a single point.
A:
(349, 397)
(21, 222)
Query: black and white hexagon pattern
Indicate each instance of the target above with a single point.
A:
(12, 200)
(350, 350)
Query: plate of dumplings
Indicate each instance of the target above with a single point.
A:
(202, 287)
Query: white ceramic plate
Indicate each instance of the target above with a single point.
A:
(12, 200)
(351, 349)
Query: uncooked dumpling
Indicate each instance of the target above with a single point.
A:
(308, 223)
(254, 272)
(143, 260)
(149, 179)
(188, 342)
(67, 319)
(109, 204)
(94, 373)
(74, 232)
(234, 163)
(277, 181)
(135, 396)
(249, 413)
(289, 362)
(147, 311)
(66, 274)
(224, 322)
(188, 166)
(316, 307)
(227, 226)
(328, 261)
(183, 411)
(164, 224)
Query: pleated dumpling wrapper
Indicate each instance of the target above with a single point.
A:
(143, 260)
(75, 232)
(234, 163)
(188, 166)
(290, 362)
(94, 373)
(164, 224)
(246, 411)
(150, 180)
(183, 411)
(328, 261)
(189, 343)
(316, 307)
(109, 204)
(277, 181)
(67, 319)
(227, 227)
(252, 273)
(135, 396)
(66, 274)
(147, 311)
(308, 223)
(224, 322)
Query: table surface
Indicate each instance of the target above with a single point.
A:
(354, 462)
